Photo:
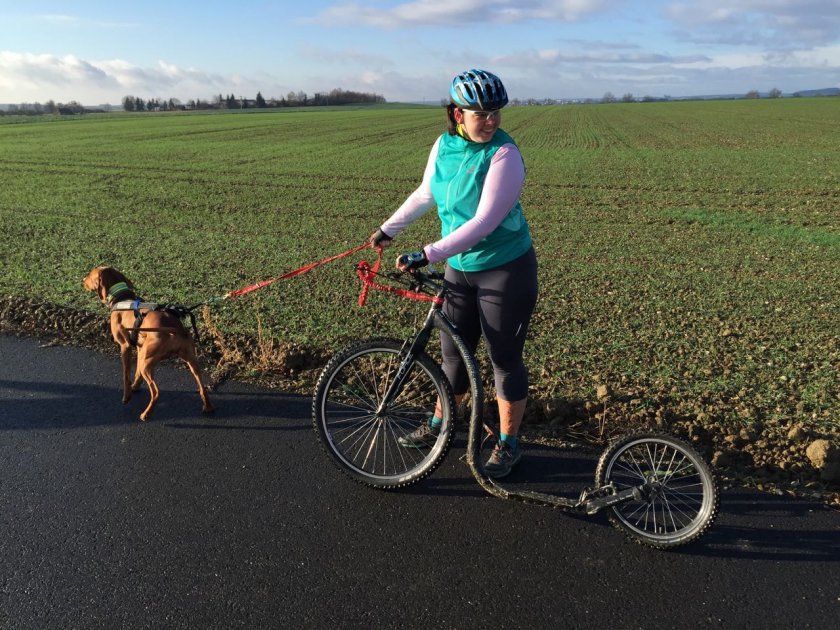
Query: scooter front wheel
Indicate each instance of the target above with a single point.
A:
(369, 436)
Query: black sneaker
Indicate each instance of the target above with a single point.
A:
(502, 460)
(423, 437)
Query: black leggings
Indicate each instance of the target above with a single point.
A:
(497, 304)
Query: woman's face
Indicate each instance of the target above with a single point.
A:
(480, 126)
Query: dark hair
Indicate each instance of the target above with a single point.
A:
(451, 125)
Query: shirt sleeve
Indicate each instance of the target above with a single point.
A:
(501, 191)
(418, 203)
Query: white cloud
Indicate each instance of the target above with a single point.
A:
(456, 12)
(538, 73)
(570, 73)
(27, 71)
(552, 56)
(48, 77)
(370, 78)
(348, 56)
(57, 19)
(821, 57)
(777, 24)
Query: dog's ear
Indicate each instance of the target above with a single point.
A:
(93, 282)
(108, 277)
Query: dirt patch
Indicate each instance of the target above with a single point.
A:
(772, 456)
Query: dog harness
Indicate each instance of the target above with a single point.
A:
(120, 288)
(138, 306)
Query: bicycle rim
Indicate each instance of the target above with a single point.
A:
(679, 493)
(364, 440)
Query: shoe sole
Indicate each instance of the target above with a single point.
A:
(406, 444)
(504, 473)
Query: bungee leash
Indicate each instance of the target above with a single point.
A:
(366, 273)
(364, 269)
(291, 274)
(264, 283)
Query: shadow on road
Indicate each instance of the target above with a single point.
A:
(52, 405)
(564, 472)
(787, 538)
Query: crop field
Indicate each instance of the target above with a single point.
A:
(689, 252)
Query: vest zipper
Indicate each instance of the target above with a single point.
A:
(448, 187)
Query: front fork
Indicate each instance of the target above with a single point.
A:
(418, 345)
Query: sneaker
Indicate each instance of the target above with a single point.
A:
(502, 460)
(424, 436)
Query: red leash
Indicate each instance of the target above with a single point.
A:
(364, 269)
(291, 274)
(366, 273)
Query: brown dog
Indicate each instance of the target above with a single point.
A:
(159, 336)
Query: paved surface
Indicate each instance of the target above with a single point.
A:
(239, 520)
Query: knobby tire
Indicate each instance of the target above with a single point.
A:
(683, 499)
(365, 445)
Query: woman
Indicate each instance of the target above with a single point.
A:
(474, 176)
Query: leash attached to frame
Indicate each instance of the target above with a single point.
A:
(291, 274)
(367, 272)
(182, 312)
(364, 269)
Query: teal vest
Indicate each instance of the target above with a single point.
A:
(460, 171)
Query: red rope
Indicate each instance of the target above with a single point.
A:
(291, 274)
(364, 269)
(366, 273)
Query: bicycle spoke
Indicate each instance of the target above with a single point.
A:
(670, 480)
(364, 429)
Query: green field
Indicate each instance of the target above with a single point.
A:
(689, 252)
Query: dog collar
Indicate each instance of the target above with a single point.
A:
(118, 289)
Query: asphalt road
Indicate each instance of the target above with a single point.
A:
(239, 520)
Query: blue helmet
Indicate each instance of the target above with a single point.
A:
(478, 90)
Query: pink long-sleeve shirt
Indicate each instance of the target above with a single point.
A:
(501, 190)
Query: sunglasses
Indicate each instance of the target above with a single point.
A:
(496, 113)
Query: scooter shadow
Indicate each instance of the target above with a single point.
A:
(562, 472)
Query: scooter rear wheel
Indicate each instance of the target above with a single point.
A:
(678, 492)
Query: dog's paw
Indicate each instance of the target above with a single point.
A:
(208, 409)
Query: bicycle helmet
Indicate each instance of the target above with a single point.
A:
(478, 90)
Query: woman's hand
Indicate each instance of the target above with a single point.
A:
(414, 260)
(380, 239)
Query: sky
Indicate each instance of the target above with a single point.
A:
(97, 52)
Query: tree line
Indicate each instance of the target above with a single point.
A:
(302, 99)
(609, 97)
(132, 103)
(50, 107)
(231, 101)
